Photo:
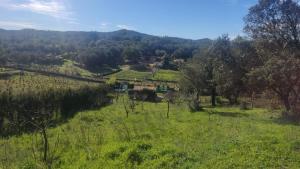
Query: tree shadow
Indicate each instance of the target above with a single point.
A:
(285, 121)
(227, 114)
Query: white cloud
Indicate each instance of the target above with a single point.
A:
(17, 25)
(127, 27)
(53, 8)
(104, 25)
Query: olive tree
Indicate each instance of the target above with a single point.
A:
(274, 25)
(192, 82)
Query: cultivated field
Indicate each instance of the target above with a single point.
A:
(31, 82)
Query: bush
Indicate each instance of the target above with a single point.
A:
(143, 95)
(194, 105)
(219, 100)
(134, 157)
(244, 105)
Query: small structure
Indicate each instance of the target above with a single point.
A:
(144, 87)
(142, 91)
(123, 86)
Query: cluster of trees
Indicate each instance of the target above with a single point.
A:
(269, 59)
(33, 111)
(90, 49)
(219, 69)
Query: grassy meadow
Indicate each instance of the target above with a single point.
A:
(214, 138)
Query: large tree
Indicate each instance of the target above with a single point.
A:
(229, 68)
(274, 25)
(209, 72)
(193, 82)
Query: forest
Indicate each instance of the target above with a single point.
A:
(125, 99)
(91, 49)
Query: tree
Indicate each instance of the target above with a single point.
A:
(193, 82)
(183, 53)
(131, 54)
(274, 25)
(247, 58)
(229, 71)
(168, 63)
(209, 67)
(125, 103)
(169, 97)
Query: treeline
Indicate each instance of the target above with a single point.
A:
(90, 49)
(267, 60)
(31, 111)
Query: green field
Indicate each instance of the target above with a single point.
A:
(132, 75)
(167, 75)
(163, 75)
(105, 138)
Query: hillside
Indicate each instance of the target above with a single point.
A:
(91, 50)
(129, 100)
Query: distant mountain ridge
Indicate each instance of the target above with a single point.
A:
(121, 32)
(91, 49)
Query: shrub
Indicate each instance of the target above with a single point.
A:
(134, 157)
(244, 105)
(143, 95)
(194, 105)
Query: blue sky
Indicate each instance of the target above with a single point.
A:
(192, 19)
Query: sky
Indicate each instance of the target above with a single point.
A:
(192, 19)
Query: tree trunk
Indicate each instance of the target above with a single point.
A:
(213, 96)
(1, 125)
(252, 100)
(197, 102)
(46, 144)
(287, 106)
(127, 112)
(197, 96)
(168, 109)
(233, 100)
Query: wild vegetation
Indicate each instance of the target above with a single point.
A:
(213, 138)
